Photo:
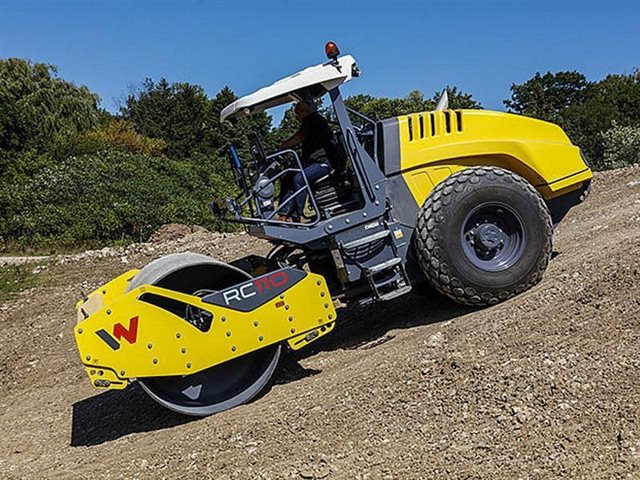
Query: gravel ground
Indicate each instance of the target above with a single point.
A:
(545, 385)
(4, 261)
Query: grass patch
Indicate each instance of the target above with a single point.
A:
(14, 279)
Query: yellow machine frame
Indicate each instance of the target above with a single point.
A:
(144, 340)
(434, 145)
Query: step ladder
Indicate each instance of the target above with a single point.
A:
(387, 279)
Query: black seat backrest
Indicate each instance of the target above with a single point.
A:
(339, 156)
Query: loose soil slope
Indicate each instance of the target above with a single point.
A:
(543, 386)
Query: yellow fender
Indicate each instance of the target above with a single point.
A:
(434, 145)
(121, 337)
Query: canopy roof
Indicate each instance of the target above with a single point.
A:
(318, 80)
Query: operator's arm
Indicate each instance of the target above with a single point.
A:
(293, 141)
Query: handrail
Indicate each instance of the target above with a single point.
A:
(375, 130)
(254, 191)
(357, 161)
(361, 115)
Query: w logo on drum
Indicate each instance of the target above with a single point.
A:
(119, 332)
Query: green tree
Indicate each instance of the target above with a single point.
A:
(224, 133)
(547, 96)
(379, 108)
(182, 115)
(178, 113)
(585, 110)
(287, 127)
(613, 101)
(36, 106)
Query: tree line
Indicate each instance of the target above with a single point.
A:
(74, 174)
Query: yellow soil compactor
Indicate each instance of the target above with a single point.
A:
(464, 201)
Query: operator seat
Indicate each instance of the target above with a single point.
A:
(335, 193)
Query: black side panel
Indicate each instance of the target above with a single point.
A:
(389, 146)
(560, 206)
(404, 211)
(404, 208)
(257, 291)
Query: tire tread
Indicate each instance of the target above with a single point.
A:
(429, 236)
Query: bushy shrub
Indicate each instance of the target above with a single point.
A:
(114, 134)
(621, 147)
(110, 196)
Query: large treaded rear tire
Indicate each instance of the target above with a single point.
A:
(464, 261)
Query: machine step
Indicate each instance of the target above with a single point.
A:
(385, 296)
(365, 240)
(395, 293)
(388, 281)
(392, 262)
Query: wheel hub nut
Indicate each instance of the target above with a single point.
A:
(488, 236)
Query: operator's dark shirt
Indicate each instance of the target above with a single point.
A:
(317, 134)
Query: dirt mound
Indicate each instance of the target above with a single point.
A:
(173, 231)
(543, 386)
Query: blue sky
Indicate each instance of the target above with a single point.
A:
(482, 47)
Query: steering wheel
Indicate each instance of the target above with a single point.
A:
(281, 158)
(256, 149)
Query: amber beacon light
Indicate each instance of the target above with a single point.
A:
(332, 51)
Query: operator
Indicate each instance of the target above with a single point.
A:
(318, 148)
